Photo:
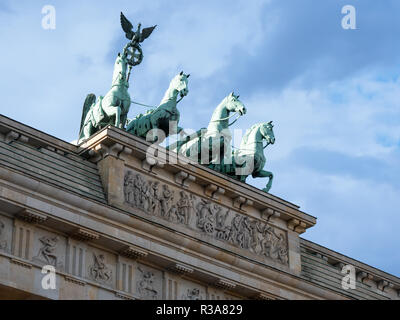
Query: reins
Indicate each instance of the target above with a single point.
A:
(227, 118)
(148, 106)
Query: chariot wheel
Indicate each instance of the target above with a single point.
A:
(135, 54)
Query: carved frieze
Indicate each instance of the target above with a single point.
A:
(206, 216)
(146, 285)
(157, 200)
(99, 271)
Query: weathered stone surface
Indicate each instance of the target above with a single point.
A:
(156, 234)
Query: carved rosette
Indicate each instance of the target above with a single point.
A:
(184, 208)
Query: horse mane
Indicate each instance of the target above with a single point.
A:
(249, 131)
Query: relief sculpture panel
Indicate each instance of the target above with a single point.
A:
(49, 249)
(182, 207)
(101, 266)
(148, 283)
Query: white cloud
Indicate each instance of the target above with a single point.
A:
(346, 117)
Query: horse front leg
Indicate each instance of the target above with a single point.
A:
(265, 174)
(117, 116)
(123, 121)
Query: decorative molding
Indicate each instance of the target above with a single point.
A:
(382, 284)
(210, 189)
(321, 256)
(101, 151)
(125, 153)
(148, 163)
(31, 216)
(75, 280)
(15, 136)
(85, 235)
(181, 269)
(268, 213)
(21, 263)
(361, 276)
(133, 252)
(98, 153)
(182, 178)
(213, 191)
(124, 296)
(264, 296)
(340, 265)
(239, 202)
(224, 284)
(296, 225)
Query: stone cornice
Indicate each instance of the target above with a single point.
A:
(33, 136)
(117, 142)
(125, 223)
(214, 182)
(362, 270)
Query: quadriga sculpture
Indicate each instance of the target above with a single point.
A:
(162, 116)
(213, 144)
(249, 158)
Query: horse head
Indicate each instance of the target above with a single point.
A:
(233, 104)
(266, 130)
(180, 83)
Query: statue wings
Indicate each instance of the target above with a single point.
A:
(89, 101)
(128, 29)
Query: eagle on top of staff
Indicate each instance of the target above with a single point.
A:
(113, 108)
(137, 36)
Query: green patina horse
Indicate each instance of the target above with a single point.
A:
(166, 116)
(213, 144)
(113, 107)
(249, 159)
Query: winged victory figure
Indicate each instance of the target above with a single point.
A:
(114, 106)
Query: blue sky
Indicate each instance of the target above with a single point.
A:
(333, 94)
